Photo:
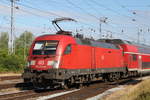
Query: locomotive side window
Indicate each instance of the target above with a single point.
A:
(45, 48)
(134, 57)
(68, 49)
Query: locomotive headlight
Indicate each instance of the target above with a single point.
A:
(50, 63)
(55, 64)
(32, 62)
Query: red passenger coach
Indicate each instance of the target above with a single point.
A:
(66, 60)
(136, 56)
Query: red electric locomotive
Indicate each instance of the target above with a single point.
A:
(62, 59)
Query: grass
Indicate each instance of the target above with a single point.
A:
(140, 91)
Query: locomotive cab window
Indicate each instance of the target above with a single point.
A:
(38, 45)
(45, 48)
(68, 49)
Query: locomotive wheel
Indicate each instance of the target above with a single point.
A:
(125, 75)
(113, 77)
(65, 85)
(105, 77)
(118, 76)
(26, 80)
(79, 85)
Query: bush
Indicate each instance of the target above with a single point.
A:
(15, 62)
(11, 63)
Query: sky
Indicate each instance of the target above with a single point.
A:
(124, 18)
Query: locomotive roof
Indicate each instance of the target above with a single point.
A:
(87, 41)
(47, 35)
(108, 43)
(95, 43)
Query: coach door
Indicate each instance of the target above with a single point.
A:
(139, 61)
(133, 61)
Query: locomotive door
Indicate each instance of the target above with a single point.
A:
(67, 57)
(129, 61)
(93, 63)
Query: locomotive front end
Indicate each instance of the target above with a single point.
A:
(43, 62)
(44, 55)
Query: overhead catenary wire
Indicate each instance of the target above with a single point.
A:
(131, 12)
(50, 12)
(93, 7)
(136, 15)
(73, 4)
(82, 10)
(118, 13)
(97, 27)
(26, 11)
(30, 12)
(38, 10)
(109, 9)
(61, 16)
(46, 11)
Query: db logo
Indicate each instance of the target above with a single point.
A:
(41, 62)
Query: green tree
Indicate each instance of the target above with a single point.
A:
(17, 61)
(23, 43)
(4, 40)
(24, 40)
(10, 63)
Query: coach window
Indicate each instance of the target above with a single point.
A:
(68, 49)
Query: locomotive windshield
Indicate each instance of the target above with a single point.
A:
(45, 48)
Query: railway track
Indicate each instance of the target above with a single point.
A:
(12, 95)
(11, 82)
(5, 86)
(84, 93)
(2, 78)
(28, 94)
(81, 94)
(16, 85)
(93, 90)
